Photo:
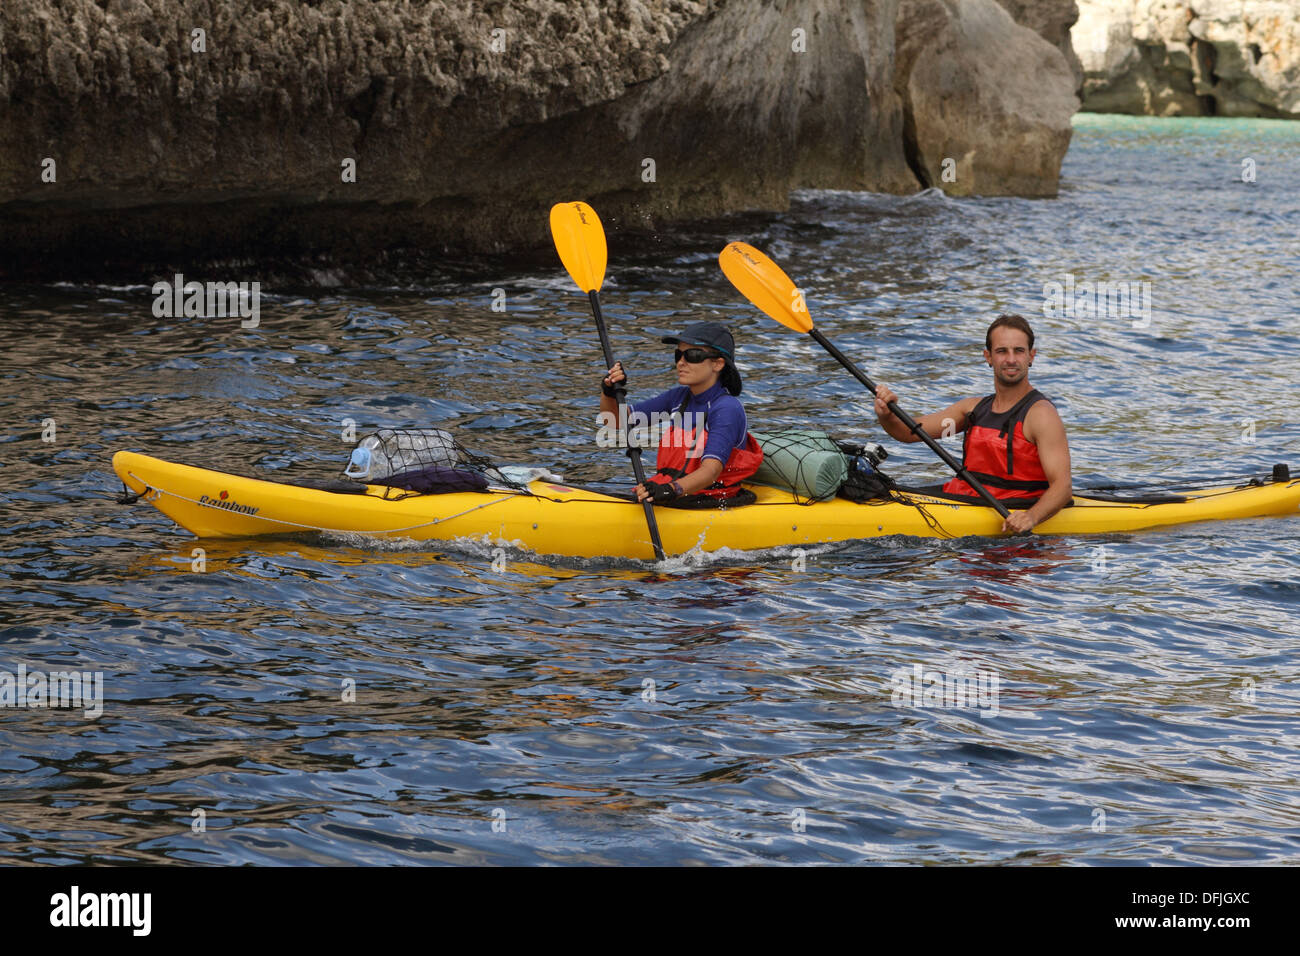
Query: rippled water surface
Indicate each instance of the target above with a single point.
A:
(732, 708)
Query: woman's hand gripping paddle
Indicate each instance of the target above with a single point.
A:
(761, 281)
(580, 241)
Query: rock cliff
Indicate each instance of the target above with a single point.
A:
(150, 134)
(1051, 20)
(987, 103)
(1190, 57)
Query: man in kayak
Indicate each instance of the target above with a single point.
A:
(707, 451)
(1015, 444)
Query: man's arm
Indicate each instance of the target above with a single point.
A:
(950, 421)
(1043, 426)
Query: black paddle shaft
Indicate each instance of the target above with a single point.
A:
(912, 425)
(633, 452)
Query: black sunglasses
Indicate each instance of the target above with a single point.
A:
(694, 356)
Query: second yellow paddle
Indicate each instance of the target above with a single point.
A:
(761, 281)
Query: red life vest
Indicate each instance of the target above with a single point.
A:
(681, 451)
(998, 455)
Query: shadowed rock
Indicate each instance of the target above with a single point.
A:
(145, 135)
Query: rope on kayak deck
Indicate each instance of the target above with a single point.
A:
(312, 527)
(933, 522)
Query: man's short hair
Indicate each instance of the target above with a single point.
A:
(1009, 321)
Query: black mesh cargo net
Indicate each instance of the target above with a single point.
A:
(425, 461)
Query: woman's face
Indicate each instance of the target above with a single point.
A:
(698, 376)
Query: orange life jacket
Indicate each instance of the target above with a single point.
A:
(681, 451)
(998, 455)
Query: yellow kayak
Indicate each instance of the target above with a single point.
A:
(560, 520)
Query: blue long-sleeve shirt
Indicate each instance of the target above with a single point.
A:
(727, 425)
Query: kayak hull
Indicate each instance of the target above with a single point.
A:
(560, 520)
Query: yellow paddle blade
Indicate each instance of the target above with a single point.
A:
(761, 281)
(580, 241)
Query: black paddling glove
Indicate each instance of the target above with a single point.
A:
(611, 391)
(661, 491)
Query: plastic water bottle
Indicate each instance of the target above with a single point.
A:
(362, 458)
(392, 452)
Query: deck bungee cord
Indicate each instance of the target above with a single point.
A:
(151, 494)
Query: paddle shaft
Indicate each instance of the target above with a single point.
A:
(911, 424)
(633, 452)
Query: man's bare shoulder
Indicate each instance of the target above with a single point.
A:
(1042, 416)
(956, 414)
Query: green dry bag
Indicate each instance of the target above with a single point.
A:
(801, 460)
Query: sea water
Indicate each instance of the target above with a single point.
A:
(1124, 699)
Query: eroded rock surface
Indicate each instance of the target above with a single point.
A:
(1051, 20)
(1197, 58)
(987, 102)
(131, 140)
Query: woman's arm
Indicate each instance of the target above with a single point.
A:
(608, 404)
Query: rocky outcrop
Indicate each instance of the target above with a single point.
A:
(151, 134)
(1190, 57)
(172, 145)
(987, 102)
(1051, 20)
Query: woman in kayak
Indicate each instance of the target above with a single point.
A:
(707, 451)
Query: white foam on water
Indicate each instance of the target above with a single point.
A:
(486, 547)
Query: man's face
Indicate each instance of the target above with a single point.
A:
(1010, 356)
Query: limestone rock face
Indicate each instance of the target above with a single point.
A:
(987, 102)
(1190, 57)
(1051, 20)
(171, 145)
(151, 134)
